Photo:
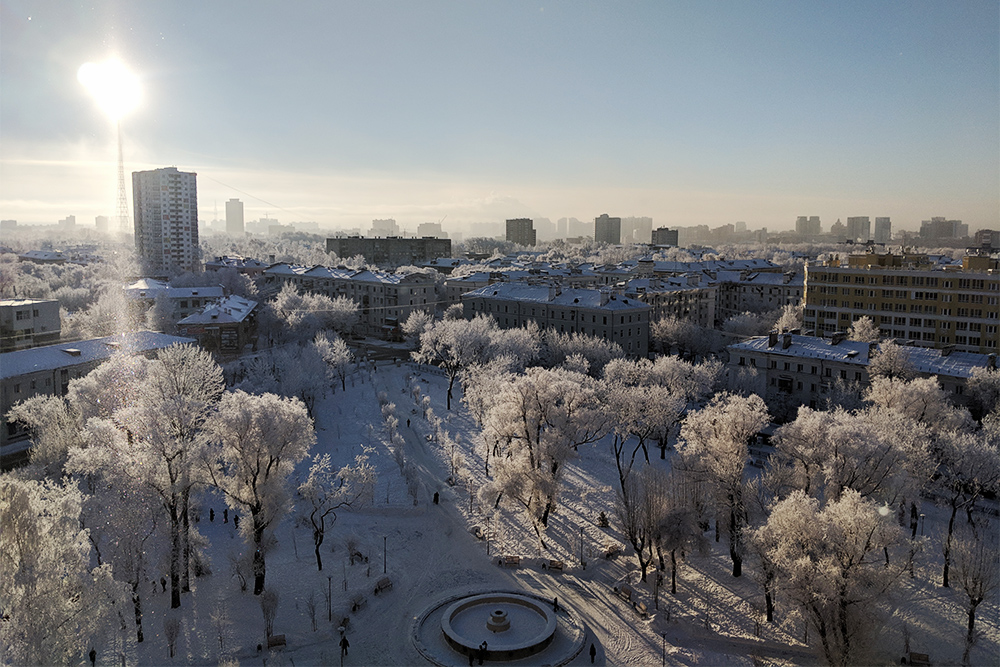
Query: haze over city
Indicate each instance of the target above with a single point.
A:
(691, 113)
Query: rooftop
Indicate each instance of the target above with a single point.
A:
(62, 355)
(230, 310)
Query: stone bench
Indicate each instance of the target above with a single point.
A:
(510, 561)
(553, 565)
(383, 584)
(357, 601)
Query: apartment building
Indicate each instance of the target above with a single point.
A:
(742, 291)
(683, 297)
(28, 323)
(391, 251)
(908, 297)
(226, 326)
(49, 369)
(384, 300)
(593, 312)
(165, 204)
(795, 370)
(521, 231)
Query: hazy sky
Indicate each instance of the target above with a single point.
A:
(339, 112)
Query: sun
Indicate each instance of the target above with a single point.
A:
(115, 88)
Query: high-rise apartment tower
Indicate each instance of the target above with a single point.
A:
(521, 231)
(165, 202)
(607, 230)
(234, 217)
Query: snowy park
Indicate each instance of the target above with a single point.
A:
(409, 518)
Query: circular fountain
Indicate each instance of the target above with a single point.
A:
(512, 626)
(499, 626)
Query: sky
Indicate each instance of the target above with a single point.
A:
(342, 112)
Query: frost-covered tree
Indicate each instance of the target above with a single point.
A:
(337, 355)
(833, 566)
(984, 388)
(261, 438)
(454, 345)
(327, 490)
(891, 361)
(790, 317)
(121, 512)
(51, 600)
(523, 345)
(305, 314)
(968, 467)
(976, 559)
(748, 324)
(865, 330)
(167, 419)
(921, 400)
(558, 347)
(536, 421)
(54, 428)
(637, 510)
(415, 325)
(714, 447)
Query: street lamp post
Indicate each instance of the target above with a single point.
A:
(583, 564)
(663, 649)
(384, 566)
(922, 515)
(329, 598)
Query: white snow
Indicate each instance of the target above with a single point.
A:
(430, 555)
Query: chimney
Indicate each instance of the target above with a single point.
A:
(270, 258)
(605, 297)
(947, 349)
(838, 337)
(552, 292)
(991, 360)
(772, 339)
(786, 341)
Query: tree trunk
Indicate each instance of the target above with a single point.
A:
(769, 605)
(947, 545)
(186, 540)
(259, 566)
(451, 383)
(734, 550)
(318, 541)
(175, 558)
(972, 624)
(673, 571)
(137, 604)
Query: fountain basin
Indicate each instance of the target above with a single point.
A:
(527, 626)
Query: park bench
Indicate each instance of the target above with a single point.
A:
(510, 561)
(624, 592)
(553, 565)
(275, 641)
(612, 549)
(357, 601)
(642, 609)
(918, 659)
(383, 584)
(357, 556)
(478, 532)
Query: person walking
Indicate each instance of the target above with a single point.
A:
(593, 652)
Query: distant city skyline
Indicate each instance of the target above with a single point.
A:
(687, 113)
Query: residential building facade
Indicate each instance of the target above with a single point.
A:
(909, 298)
(521, 231)
(598, 313)
(393, 251)
(234, 217)
(165, 205)
(664, 236)
(607, 229)
(226, 326)
(28, 323)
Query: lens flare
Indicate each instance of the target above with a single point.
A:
(112, 85)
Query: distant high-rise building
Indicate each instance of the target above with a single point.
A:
(883, 230)
(941, 228)
(521, 231)
(664, 236)
(234, 217)
(101, 223)
(808, 226)
(165, 203)
(607, 229)
(430, 229)
(637, 229)
(859, 229)
(386, 227)
(8, 224)
(561, 228)
(69, 222)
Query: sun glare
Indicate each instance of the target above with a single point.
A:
(115, 88)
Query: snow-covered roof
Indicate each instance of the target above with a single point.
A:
(229, 310)
(848, 351)
(43, 256)
(62, 355)
(147, 288)
(14, 303)
(925, 359)
(574, 298)
(235, 263)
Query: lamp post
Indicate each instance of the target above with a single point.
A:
(922, 515)
(583, 565)
(329, 598)
(384, 566)
(663, 649)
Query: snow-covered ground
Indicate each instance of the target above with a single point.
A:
(430, 554)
